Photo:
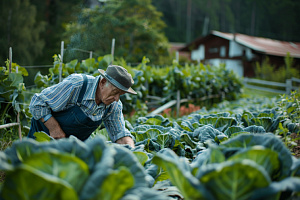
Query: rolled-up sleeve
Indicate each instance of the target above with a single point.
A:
(53, 98)
(115, 124)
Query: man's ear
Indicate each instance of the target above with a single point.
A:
(102, 81)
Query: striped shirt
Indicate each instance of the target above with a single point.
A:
(64, 95)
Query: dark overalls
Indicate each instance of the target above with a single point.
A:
(73, 120)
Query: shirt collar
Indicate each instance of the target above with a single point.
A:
(91, 94)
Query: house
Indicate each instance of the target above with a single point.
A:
(240, 52)
(175, 47)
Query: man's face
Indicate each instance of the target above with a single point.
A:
(110, 93)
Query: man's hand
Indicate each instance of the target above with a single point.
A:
(54, 128)
(57, 134)
(126, 140)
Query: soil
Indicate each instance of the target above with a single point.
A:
(2, 176)
(296, 149)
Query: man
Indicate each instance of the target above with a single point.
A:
(80, 103)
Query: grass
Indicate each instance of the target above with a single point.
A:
(253, 93)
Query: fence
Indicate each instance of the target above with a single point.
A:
(176, 102)
(18, 123)
(288, 85)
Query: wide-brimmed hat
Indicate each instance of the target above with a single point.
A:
(119, 77)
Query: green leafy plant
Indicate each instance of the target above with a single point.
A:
(193, 81)
(69, 168)
(269, 72)
(239, 168)
(223, 153)
(12, 102)
(289, 106)
(289, 129)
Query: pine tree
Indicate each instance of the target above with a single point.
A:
(20, 31)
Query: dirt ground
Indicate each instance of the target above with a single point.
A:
(2, 177)
(296, 150)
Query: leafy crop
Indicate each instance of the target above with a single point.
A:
(229, 152)
(218, 155)
(249, 166)
(193, 81)
(240, 168)
(12, 100)
(71, 169)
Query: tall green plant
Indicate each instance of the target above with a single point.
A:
(193, 81)
(12, 101)
(269, 72)
(89, 66)
(289, 62)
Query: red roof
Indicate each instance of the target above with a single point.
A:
(264, 45)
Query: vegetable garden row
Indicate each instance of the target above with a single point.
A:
(238, 150)
(193, 81)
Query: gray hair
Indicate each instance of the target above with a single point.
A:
(107, 84)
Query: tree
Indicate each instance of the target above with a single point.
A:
(55, 14)
(274, 19)
(21, 31)
(136, 26)
(189, 19)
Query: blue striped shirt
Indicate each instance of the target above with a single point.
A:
(65, 94)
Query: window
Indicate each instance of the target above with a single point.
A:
(222, 51)
(213, 50)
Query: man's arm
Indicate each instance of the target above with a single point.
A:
(115, 126)
(55, 98)
(54, 128)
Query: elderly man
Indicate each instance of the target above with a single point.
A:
(80, 103)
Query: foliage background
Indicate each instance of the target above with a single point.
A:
(269, 72)
(35, 28)
(192, 18)
(135, 25)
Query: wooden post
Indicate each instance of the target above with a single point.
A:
(18, 114)
(289, 86)
(113, 48)
(10, 59)
(61, 61)
(245, 81)
(91, 54)
(178, 103)
(19, 129)
(177, 57)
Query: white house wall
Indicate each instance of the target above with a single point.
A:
(249, 54)
(235, 65)
(236, 49)
(198, 54)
